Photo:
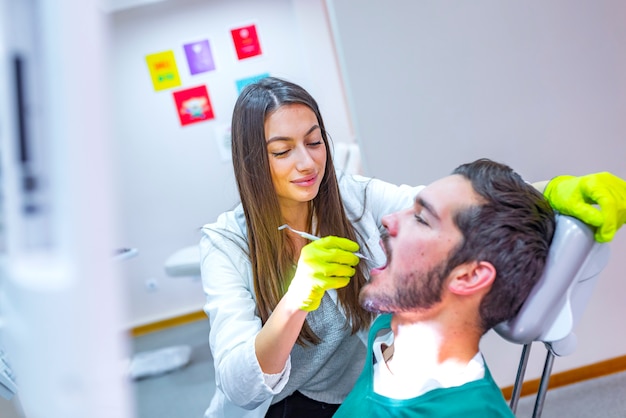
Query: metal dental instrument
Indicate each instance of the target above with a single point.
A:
(312, 237)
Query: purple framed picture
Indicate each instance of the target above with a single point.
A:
(199, 57)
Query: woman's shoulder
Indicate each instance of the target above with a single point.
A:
(229, 225)
(233, 220)
(360, 183)
(377, 195)
(352, 186)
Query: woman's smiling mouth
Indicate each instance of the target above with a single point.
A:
(305, 181)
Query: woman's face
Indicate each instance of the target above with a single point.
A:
(297, 155)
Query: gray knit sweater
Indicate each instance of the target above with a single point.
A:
(327, 373)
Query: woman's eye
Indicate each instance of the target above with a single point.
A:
(316, 143)
(279, 153)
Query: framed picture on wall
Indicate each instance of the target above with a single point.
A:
(193, 105)
(163, 70)
(199, 57)
(246, 41)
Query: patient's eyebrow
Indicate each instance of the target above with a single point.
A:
(429, 208)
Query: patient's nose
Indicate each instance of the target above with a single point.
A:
(390, 223)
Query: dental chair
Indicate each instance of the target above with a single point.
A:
(557, 301)
(184, 262)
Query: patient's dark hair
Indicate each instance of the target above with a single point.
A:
(512, 229)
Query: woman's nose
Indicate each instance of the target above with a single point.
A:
(305, 161)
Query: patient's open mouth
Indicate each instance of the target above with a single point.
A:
(385, 247)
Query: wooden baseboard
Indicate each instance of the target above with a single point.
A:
(168, 323)
(568, 377)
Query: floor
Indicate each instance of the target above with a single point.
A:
(183, 393)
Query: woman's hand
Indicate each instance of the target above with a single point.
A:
(327, 263)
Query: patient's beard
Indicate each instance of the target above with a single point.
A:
(413, 291)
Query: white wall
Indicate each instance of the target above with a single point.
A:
(171, 178)
(539, 85)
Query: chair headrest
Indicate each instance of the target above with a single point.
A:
(560, 296)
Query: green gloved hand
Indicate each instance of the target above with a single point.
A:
(327, 263)
(575, 196)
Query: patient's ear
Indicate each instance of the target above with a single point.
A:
(472, 277)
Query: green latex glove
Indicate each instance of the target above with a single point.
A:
(327, 263)
(576, 196)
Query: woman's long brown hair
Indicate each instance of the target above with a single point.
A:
(270, 251)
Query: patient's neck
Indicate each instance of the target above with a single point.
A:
(426, 345)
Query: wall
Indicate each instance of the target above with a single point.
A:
(539, 85)
(171, 179)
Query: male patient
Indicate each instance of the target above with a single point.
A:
(461, 260)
